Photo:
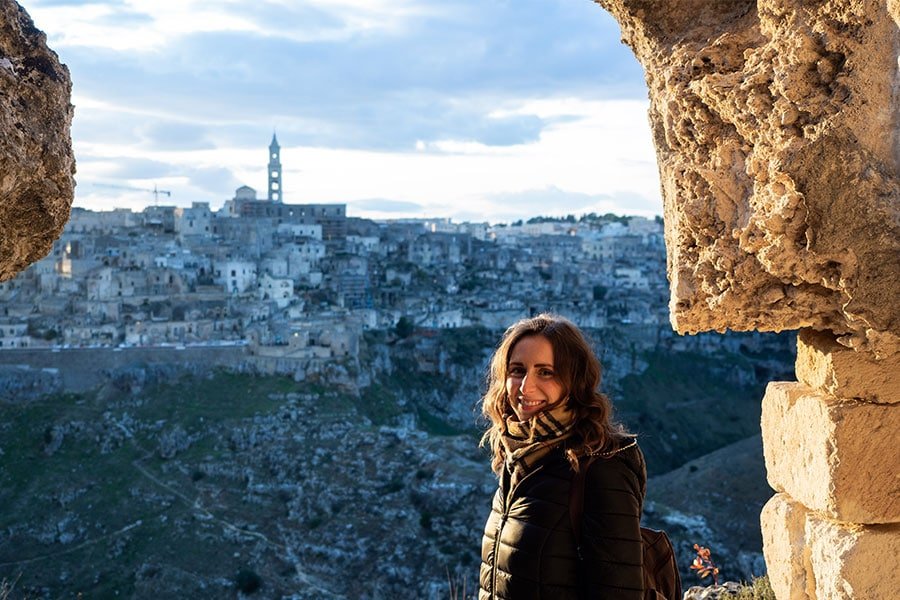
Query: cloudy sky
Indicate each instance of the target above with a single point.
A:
(486, 110)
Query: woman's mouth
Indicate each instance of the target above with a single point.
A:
(531, 404)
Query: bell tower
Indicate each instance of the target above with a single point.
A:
(274, 171)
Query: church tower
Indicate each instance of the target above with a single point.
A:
(274, 171)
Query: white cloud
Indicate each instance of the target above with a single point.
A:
(148, 25)
(602, 155)
(426, 105)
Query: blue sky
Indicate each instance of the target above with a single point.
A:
(486, 110)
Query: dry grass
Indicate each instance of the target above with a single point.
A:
(758, 589)
(7, 587)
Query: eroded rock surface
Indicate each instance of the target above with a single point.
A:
(36, 160)
(776, 129)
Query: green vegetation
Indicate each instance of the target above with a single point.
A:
(247, 581)
(687, 404)
(585, 218)
(435, 425)
(224, 395)
(467, 345)
(82, 471)
(405, 327)
(379, 403)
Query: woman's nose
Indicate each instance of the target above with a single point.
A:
(524, 387)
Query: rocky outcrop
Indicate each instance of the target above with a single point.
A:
(36, 160)
(776, 129)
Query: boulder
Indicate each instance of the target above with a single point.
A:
(835, 456)
(37, 165)
(778, 138)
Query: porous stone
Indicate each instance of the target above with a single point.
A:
(826, 365)
(36, 161)
(776, 129)
(783, 523)
(835, 456)
(853, 562)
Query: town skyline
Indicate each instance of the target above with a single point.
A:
(398, 108)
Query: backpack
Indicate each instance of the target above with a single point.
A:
(661, 578)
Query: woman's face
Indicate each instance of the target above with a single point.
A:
(531, 382)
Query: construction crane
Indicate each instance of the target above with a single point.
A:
(155, 191)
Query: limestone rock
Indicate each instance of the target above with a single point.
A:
(777, 131)
(783, 523)
(723, 591)
(814, 558)
(851, 562)
(835, 456)
(36, 160)
(824, 364)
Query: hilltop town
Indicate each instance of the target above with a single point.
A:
(300, 282)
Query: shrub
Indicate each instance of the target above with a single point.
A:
(247, 581)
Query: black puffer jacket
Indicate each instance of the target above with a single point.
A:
(528, 549)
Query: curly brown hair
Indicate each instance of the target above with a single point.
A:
(578, 370)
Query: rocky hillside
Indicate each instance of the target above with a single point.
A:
(364, 483)
(191, 489)
(714, 501)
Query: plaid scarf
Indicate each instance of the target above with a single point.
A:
(527, 442)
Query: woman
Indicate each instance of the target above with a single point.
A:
(547, 417)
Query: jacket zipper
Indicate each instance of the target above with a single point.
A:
(503, 515)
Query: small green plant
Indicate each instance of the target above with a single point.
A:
(704, 565)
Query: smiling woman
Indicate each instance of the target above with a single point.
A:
(548, 420)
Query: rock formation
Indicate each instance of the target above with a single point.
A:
(777, 131)
(36, 160)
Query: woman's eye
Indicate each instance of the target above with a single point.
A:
(546, 373)
(517, 371)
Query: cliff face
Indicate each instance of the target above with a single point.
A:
(775, 124)
(36, 160)
(777, 134)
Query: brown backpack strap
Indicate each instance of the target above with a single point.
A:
(576, 489)
(660, 569)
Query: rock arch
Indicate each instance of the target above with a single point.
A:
(777, 131)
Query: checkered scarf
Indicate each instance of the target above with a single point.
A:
(526, 442)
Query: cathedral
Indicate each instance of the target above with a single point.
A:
(332, 217)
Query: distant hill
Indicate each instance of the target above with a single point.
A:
(714, 501)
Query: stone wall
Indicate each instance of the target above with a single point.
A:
(82, 369)
(36, 162)
(777, 135)
(830, 442)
